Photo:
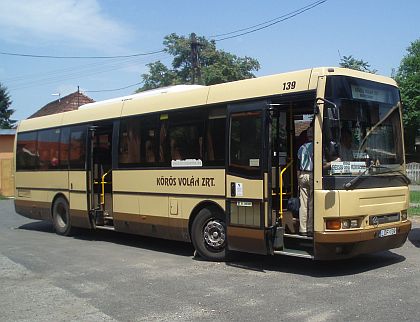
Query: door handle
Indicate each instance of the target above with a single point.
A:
(233, 189)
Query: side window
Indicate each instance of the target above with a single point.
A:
(77, 148)
(215, 137)
(48, 148)
(27, 157)
(130, 143)
(163, 153)
(186, 136)
(64, 148)
(245, 143)
(150, 137)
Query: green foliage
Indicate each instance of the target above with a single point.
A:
(5, 110)
(357, 64)
(210, 66)
(408, 79)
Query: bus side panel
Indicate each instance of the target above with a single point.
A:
(156, 216)
(159, 203)
(78, 199)
(35, 192)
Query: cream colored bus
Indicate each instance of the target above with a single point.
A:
(217, 165)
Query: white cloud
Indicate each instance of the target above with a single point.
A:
(64, 22)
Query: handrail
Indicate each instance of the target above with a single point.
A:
(103, 187)
(281, 188)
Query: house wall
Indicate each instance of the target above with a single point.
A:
(6, 165)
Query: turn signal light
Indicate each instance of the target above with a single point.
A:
(333, 224)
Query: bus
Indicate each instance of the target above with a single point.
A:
(217, 165)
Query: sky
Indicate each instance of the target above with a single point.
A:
(377, 31)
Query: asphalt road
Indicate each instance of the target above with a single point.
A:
(108, 276)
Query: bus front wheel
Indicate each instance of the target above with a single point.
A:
(61, 217)
(209, 235)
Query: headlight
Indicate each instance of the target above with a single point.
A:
(345, 224)
(403, 215)
(354, 223)
(337, 224)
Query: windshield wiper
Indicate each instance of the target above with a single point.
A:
(353, 181)
(349, 184)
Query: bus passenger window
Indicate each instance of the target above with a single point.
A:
(78, 148)
(48, 143)
(246, 142)
(130, 143)
(215, 139)
(150, 147)
(64, 148)
(163, 139)
(27, 157)
(185, 142)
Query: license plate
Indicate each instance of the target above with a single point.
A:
(388, 232)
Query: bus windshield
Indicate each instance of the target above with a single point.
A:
(363, 131)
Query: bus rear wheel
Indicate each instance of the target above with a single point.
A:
(209, 235)
(61, 217)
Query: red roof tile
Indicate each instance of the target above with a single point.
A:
(67, 103)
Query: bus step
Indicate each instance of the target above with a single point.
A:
(294, 252)
(297, 236)
(105, 227)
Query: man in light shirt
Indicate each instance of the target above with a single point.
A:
(305, 180)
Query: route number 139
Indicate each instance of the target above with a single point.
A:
(289, 85)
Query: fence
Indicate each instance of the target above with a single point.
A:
(413, 172)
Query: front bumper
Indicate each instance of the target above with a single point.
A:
(345, 244)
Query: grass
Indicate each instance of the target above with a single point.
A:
(414, 198)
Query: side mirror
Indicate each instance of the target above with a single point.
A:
(332, 108)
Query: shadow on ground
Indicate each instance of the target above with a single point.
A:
(414, 237)
(149, 243)
(245, 261)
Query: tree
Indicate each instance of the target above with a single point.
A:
(408, 79)
(357, 64)
(196, 60)
(5, 110)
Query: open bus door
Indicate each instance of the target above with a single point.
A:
(99, 175)
(248, 183)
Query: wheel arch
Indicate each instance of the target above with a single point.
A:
(201, 205)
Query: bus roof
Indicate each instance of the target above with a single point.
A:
(183, 96)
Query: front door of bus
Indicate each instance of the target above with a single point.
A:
(247, 178)
(99, 174)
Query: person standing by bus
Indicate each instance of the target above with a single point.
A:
(305, 180)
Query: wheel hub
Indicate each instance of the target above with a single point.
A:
(214, 234)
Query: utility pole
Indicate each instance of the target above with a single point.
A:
(78, 96)
(196, 72)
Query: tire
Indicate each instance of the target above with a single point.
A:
(208, 235)
(61, 217)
